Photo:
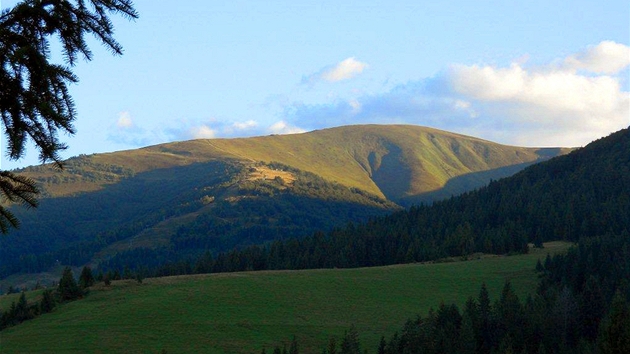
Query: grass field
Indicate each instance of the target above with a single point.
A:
(244, 312)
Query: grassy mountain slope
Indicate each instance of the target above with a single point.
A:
(242, 312)
(393, 161)
(186, 210)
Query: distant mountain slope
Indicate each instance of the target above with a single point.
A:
(396, 162)
(184, 198)
(580, 195)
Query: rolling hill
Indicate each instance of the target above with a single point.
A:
(244, 312)
(188, 197)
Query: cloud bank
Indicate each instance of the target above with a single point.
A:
(124, 131)
(566, 104)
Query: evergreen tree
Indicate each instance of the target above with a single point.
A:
(592, 307)
(68, 289)
(47, 303)
(293, 348)
(468, 343)
(107, 280)
(539, 266)
(382, 346)
(485, 334)
(332, 346)
(511, 318)
(615, 331)
(86, 279)
(35, 102)
(22, 312)
(350, 342)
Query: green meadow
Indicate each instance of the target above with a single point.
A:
(244, 312)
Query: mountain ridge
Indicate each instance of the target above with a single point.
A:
(390, 161)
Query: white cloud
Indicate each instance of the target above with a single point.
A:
(465, 106)
(245, 125)
(202, 132)
(124, 120)
(282, 127)
(607, 57)
(356, 106)
(548, 105)
(551, 107)
(554, 91)
(345, 70)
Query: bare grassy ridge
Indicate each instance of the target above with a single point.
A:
(244, 312)
(392, 161)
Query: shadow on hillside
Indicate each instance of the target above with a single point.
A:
(389, 172)
(471, 181)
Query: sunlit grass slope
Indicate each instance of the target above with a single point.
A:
(244, 312)
(393, 161)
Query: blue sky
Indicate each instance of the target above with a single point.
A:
(530, 73)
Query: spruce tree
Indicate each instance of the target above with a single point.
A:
(86, 279)
(35, 102)
(486, 321)
(68, 289)
(382, 346)
(293, 348)
(350, 342)
(332, 346)
(47, 304)
(614, 335)
(22, 312)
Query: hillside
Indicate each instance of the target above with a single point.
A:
(580, 195)
(244, 312)
(392, 161)
(184, 198)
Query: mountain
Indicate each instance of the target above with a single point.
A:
(390, 161)
(582, 195)
(187, 197)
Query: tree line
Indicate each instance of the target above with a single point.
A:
(67, 290)
(581, 305)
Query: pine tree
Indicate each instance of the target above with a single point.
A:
(22, 312)
(35, 103)
(592, 308)
(486, 323)
(539, 267)
(293, 349)
(86, 279)
(350, 342)
(68, 289)
(47, 303)
(382, 346)
(614, 335)
(468, 343)
(332, 346)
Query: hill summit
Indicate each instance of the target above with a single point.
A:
(402, 163)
